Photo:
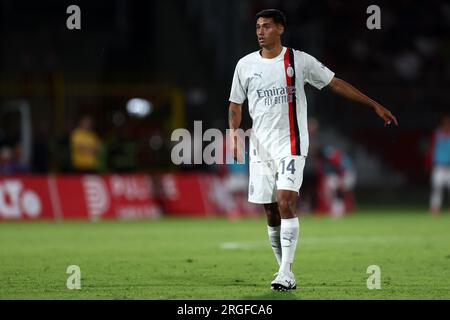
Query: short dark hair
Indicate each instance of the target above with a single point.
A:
(277, 16)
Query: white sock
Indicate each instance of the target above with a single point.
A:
(436, 198)
(274, 237)
(288, 237)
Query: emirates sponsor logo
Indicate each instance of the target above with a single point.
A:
(276, 91)
(276, 95)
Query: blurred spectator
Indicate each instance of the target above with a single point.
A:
(10, 161)
(440, 161)
(339, 178)
(85, 147)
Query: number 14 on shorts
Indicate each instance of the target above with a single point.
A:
(290, 173)
(290, 167)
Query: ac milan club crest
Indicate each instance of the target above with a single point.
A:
(290, 71)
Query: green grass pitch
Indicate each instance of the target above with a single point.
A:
(220, 259)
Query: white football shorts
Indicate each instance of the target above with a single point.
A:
(440, 177)
(266, 177)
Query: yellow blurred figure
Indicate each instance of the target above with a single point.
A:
(85, 146)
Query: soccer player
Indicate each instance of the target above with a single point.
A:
(272, 79)
(440, 156)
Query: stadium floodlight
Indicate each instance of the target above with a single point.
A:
(139, 108)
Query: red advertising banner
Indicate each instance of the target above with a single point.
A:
(132, 197)
(72, 202)
(93, 197)
(193, 194)
(25, 198)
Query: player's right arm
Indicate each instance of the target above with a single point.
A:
(234, 121)
(237, 97)
(234, 115)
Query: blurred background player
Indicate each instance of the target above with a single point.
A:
(85, 147)
(440, 160)
(338, 180)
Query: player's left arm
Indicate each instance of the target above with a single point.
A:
(346, 90)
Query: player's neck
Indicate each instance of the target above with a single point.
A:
(270, 53)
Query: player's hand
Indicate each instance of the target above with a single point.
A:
(387, 116)
(237, 147)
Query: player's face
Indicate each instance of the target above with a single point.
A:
(268, 33)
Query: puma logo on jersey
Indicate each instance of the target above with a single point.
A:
(258, 75)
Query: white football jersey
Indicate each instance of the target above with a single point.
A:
(277, 101)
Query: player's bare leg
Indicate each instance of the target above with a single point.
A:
(287, 202)
(289, 231)
(273, 228)
(437, 190)
(273, 214)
